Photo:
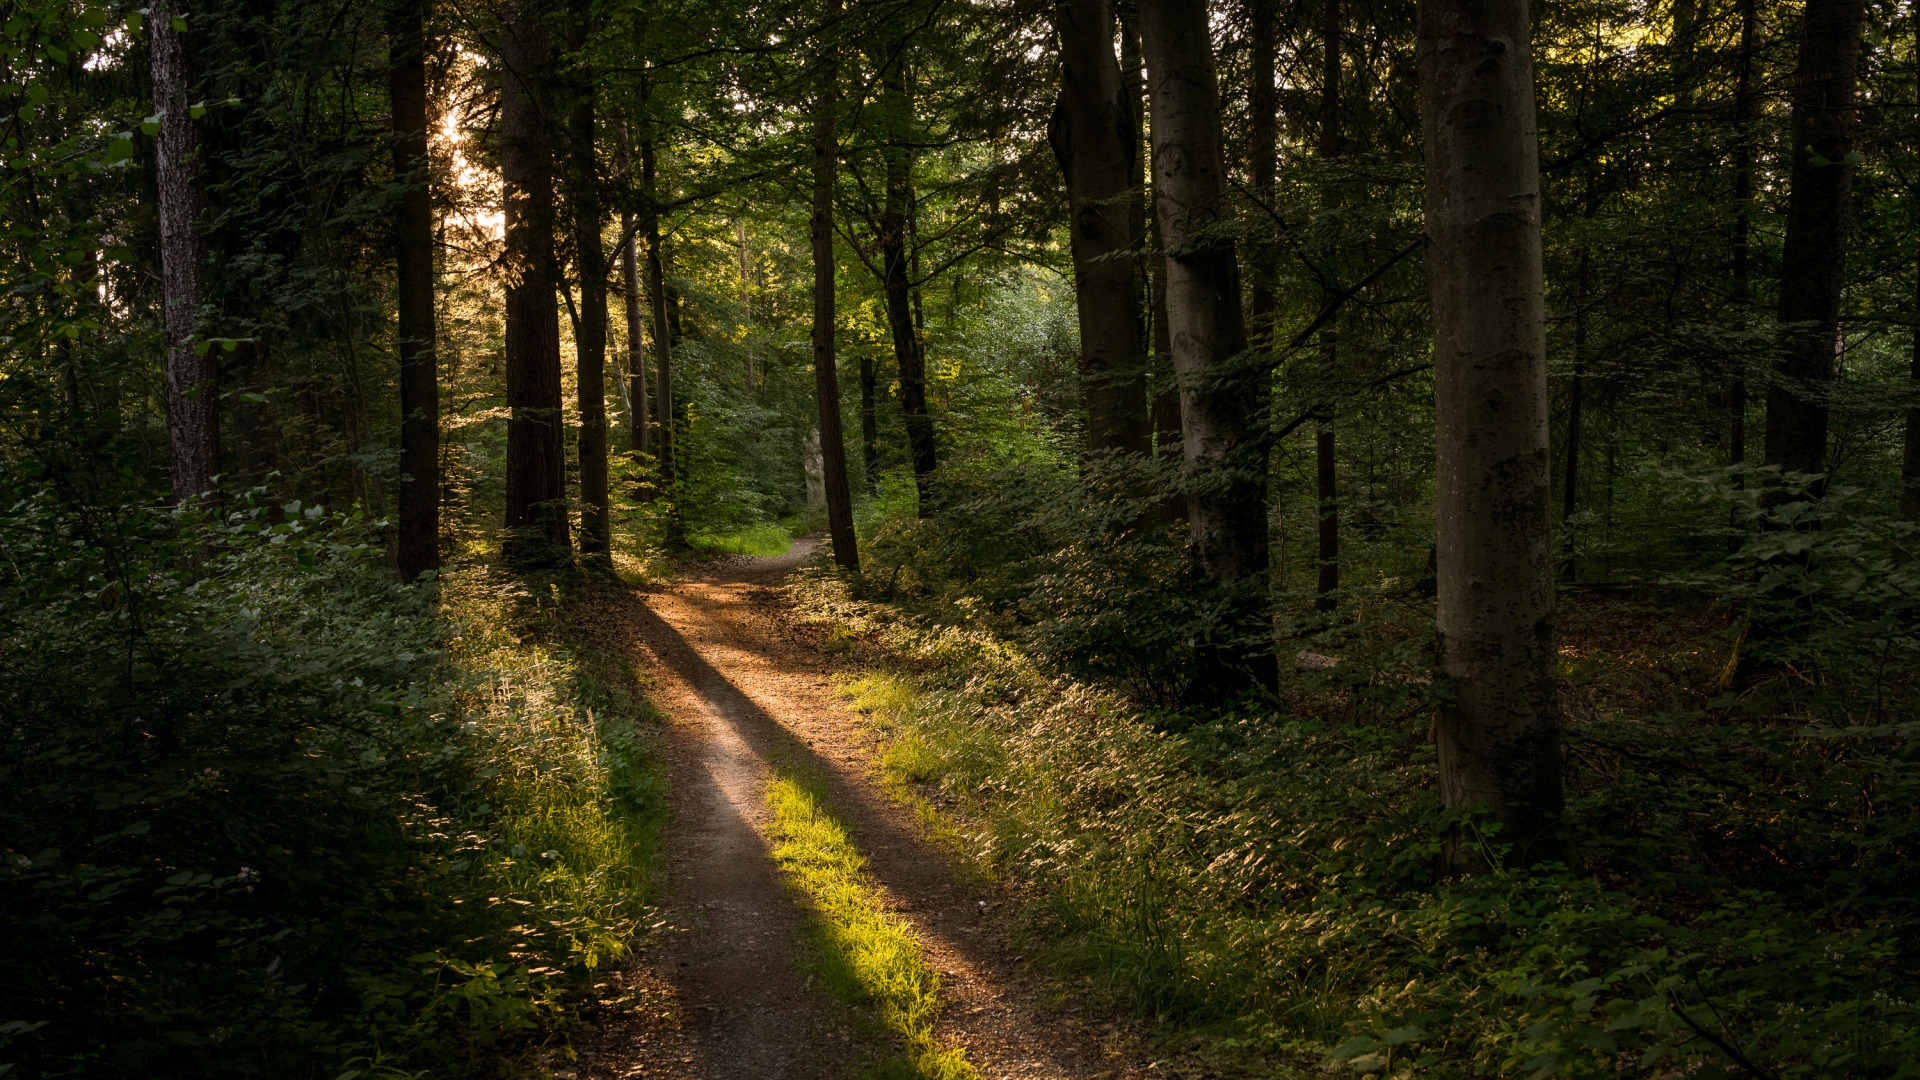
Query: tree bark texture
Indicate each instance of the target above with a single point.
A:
(662, 333)
(1223, 391)
(870, 422)
(638, 437)
(1576, 393)
(826, 377)
(590, 337)
(897, 102)
(1910, 459)
(1813, 261)
(1498, 731)
(1094, 133)
(536, 495)
(193, 415)
(1326, 464)
(419, 494)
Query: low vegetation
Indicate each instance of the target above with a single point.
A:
(267, 812)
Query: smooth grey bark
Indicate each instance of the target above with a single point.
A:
(1813, 259)
(590, 336)
(418, 498)
(536, 494)
(833, 443)
(1498, 730)
(1223, 391)
(193, 400)
(1093, 134)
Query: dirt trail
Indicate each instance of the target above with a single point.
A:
(719, 994)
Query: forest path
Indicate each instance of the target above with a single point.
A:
(719, 992)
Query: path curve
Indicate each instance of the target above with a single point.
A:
(718, 993)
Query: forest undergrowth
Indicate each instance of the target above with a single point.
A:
(270, 813)
(1262, 886)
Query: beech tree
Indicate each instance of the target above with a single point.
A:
(1222, 390)
(1094, 134)
(1498, 731)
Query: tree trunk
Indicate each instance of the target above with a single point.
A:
(1326, 474)
(638, 437)
(419, 495)
(193, 416)
(897, 104)
(1094, 132)
(1813, 260)
(590, 337)
(826, 377)
(1742, 215)
(1151, 270)
(1498, 730)
(746, 307)
(870, 422)
(1576, 391)
(1223, 393)
(536, 518)
(662, 336)
(1910, 460)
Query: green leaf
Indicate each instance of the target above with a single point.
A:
(180, 23)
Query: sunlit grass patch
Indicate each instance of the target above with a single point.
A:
(764, 539)
(870, 956)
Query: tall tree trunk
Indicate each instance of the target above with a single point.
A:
(897, 104)
(1910, 460)
(638, 437)
(826, 376)
(1576, 391)
(1150, 269)
(1326, 469)
(419, 495)
(870, 422)
(909, 356)
(1223, 393)
(193, 416)
(1498, 730)
(1742, 225)
(746, 306)
(536, 518)
(662, 334)
(1813, 262)
(590, 337)
(1094, 136)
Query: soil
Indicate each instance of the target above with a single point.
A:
(720, 991)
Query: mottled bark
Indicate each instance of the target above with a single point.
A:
(193, 417)
(1093, 134)
(833, 448)
(1498, 730)
(418, 546)
(1813, 261)
(536, 494)
(1223, 391)
(590, 336)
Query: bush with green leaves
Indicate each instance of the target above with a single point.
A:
(263, 810)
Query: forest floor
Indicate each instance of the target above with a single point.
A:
(730, 986)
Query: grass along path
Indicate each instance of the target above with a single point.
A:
(868, 956)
